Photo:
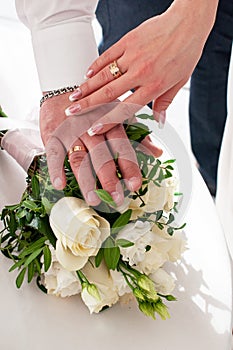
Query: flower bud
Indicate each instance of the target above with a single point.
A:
(147, 285)
(161, 309)
(138, 294)
(93, 291)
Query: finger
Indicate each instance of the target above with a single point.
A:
(148, 147)
(123, 111)
(104, 166)
(101, 79)
(107, 93)
(110, 55)
(81, 167)
(162, 102)
(126, 157)
(55, 153)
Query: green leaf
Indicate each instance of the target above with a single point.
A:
(169, 161)
(31, 271)
(20, 278)
(124, 243)
(105, 197)
(17, 265)
(99, 257)
(111, 253)
(45, 228)
(111, 257)
(153, 171)
(121, 221)
(40, 285)
(145, 116)
(170, 231)
(32, 247)
(159, 214)
(170, 219)
(32, 256)
(35, 187)
(2, 114)
(47, 258)
(21, 213)
(29, 204)
(47, 205)
(12, 224)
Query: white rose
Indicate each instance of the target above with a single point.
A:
(59, 281)
(119, 283)
(164, 283)
(80, 231)
(140, 234)
(101, 278)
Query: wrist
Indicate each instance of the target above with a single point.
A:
(53, 93)
(199, 15)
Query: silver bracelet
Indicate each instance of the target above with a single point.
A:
(57, 92)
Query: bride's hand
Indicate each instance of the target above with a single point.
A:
(62, 135)
(156, 59)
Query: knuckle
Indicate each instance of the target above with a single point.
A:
(109, 93)
(104, 77)
(76, 158)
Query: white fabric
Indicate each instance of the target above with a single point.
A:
(63, 39)
(224, 198)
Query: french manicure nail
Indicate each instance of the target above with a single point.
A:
(162, 119)
(58, 183)
(134, 183)
(89, 73)
(116, 197)
(95, 129)
(92, 196)
(75, 95)
(72, 110)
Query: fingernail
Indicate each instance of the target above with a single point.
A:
(58, 183)
(75, 95)
(116, 197)
(94, 129)
(89, 73)
(162, 119)
(72, 110)
(134, 183)
(92, 196)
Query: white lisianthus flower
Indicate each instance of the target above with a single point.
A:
(101, 278)
(164, 283)
(156, 198)
(119, 283)
(138, 233)
(176, 243)
(153, 259)
(80, 231)
(60, 282)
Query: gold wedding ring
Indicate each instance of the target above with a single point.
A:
(115, 70)
(76, 149)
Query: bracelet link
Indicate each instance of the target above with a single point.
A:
(57, 92)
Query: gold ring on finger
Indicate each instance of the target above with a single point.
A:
(115, 70)
(76, 149)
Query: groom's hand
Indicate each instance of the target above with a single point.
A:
(89, 156)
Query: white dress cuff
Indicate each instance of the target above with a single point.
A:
(63, 53)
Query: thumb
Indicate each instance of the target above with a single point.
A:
(161, 104)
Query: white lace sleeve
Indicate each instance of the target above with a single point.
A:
(62, 37)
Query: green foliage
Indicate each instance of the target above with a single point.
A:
(27, 236)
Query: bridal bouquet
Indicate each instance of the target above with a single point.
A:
(102, 254)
